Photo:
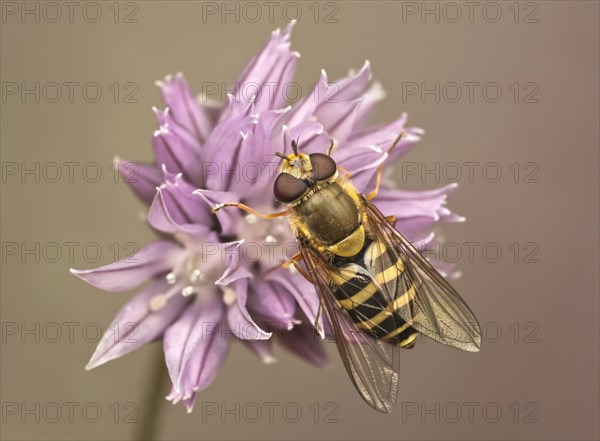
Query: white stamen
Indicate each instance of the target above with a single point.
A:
(187, 291)
(197, 275)
(171, 278)
(229, 296)
(270, 239)
(158, 302)
(251, 218)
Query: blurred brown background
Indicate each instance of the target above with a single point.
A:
(537, 375)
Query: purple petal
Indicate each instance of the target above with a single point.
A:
(263, 349)
(339, 109)
(259, 173)
(228, 217)
(270, 71)
(416, 210)
(232, 162)
(430, 249)
(362, 163)
(273, 304)
(177, 155)
(372, 97)
(153, 259)
(185, 108)
(339, 119)
(305, 109)
(303, 292)
(310, 135)
(143, 178)
(238, 318)
(230, 254)
(353, 86)
(137, 324)
(224, 142)
(195, 347)
(176, 208)
(383, 136)
(304, 342)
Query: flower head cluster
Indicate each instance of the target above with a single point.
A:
(213, 278)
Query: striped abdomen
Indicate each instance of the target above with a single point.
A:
(359, 292)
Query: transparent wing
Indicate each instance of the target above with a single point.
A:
(372, 365)
(436, 309)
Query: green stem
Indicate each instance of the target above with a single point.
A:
(153, 397)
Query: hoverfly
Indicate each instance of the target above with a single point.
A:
(378, 291)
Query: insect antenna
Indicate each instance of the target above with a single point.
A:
(295, 143)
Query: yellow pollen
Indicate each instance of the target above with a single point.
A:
(158, 302)
(229, 296)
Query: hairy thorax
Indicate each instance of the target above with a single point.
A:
(330, 218)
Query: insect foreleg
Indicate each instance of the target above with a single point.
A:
(319, 312)
(249, 210)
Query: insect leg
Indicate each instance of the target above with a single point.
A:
(249, 210)
(319, 312)
(346, 172)
(293, 261)
(302, 271)
(288, 263)
(380, 169)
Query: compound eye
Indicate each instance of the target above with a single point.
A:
(324, 167)
(288, 188)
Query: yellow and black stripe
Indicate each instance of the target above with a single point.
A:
(357, 289)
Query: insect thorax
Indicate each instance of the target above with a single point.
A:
(331, 218)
